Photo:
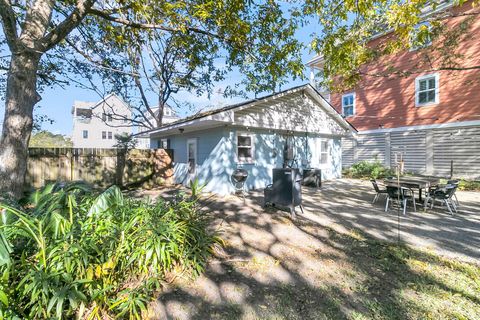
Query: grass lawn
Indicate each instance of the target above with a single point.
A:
(333, 276)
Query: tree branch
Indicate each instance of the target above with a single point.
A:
(9, 24)
(141, 25)
(97, 63)
(61, 31)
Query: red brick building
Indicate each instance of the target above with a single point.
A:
(430, 113)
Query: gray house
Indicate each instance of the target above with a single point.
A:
(296, 127)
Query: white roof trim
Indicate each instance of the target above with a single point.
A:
(318, 59)
(111, 95)
(227, 116)
(329, 108)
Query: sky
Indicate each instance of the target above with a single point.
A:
(56, 103)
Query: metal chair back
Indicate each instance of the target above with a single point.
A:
(375, 185)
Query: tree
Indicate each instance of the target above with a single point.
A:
(47, 139)
(348, 27)
(43, 35)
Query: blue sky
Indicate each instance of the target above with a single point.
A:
(56, 103)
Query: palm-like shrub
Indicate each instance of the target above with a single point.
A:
(66, 253)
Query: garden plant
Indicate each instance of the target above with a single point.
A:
(67, 252)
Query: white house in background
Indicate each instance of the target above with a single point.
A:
(95, 124)
(169, 116)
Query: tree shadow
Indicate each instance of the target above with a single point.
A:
(276, 268)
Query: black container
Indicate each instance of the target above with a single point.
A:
(286, 189)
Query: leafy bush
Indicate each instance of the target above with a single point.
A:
(469, 185)
(367, 169)
(65, 253)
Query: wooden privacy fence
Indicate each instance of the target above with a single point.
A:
(100, 167)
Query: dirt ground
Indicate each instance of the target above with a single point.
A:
(328, 263)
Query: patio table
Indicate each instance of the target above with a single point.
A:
(414, 182)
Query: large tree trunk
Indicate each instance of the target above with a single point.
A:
(21, 96)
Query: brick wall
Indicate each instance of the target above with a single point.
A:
(389, 102)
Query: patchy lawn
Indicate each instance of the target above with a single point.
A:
(273, 268)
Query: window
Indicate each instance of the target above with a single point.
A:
(109, 117)
(427, 90)
(167, 112)
(104, 117)
(85, 134)
(421, 36)
(324, 152)
(109, 135)
(348, 104)
(104, 135)
(244, 147)
(125, 120)
(163, 144)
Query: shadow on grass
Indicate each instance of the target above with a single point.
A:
(278, 269)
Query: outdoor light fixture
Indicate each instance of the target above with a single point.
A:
(181, 130)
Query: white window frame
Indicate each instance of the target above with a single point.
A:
(164, 143)
(85, 134)
(252, 146)
(353, 105)
(322, 151)
(437, 89)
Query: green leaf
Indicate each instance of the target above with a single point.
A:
(109, 199)
(3, 298)
(5, 250)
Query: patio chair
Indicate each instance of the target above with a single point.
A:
(394, 195)
(456, 183)
(377, 190)
(443, 194)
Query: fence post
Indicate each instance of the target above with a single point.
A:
(120, 167)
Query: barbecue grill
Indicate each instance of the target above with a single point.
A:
(239, 177)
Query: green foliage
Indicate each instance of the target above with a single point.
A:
(46, 139)
(469, 185)
(368, 169)
(125, 141)
(347, 30)
(67, 253)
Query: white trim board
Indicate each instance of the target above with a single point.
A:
(425, 127)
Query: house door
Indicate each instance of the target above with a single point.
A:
(191, 158)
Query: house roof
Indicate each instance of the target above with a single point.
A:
(211, 114)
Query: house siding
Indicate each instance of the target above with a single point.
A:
(389, 102)
(95, 126)
(216, 157)
(430, 152)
